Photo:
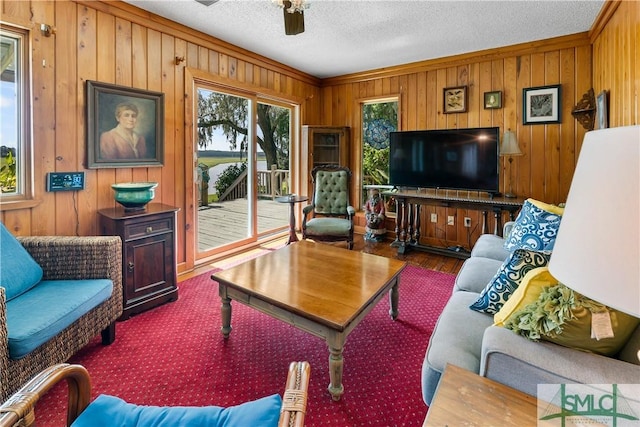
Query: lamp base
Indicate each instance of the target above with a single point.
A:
(510, 195)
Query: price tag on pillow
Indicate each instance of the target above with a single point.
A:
(601, 325)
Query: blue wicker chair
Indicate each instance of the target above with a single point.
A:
(105, 410)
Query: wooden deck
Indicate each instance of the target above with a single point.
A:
(221, 223)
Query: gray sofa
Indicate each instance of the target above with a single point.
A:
(468, 339)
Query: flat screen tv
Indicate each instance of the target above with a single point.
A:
(461, 159)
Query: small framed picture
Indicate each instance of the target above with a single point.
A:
(602, 110)
(492, 100)
(455, 99)
(125, 127)
(541, 105)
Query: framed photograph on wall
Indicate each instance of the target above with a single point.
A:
(493, 100)
(602, 110)
(455, 99)
(541, 105)
(125, 127)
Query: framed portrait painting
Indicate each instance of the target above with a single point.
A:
(455, 99)
(541, 105)
(125, 127)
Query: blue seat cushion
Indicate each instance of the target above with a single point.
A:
(58, 303)
(113, 411)
(19, 272)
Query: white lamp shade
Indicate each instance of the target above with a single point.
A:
(597, 250)
(509, 145)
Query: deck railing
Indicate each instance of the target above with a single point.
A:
(271, 184)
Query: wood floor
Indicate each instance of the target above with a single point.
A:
(422, 259)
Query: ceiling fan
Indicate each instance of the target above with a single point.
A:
(293, 15)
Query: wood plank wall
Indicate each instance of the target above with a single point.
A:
(550, 151)
(616, 61)
(116, 43)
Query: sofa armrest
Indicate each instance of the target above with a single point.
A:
(4, 334)
(523, 364)
(76, 258)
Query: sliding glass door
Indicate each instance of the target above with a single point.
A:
(242, 158)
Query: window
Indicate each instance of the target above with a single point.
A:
(379, 117)
(15, 138)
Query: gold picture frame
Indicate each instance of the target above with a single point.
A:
(493, 100)
(106, 141)
(455, 99)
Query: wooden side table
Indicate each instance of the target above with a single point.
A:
(292, 200)
(465, 398)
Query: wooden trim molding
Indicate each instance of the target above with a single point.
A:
(607, 11)
(539, 46)
(158, 23)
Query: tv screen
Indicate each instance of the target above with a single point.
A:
(462, 159)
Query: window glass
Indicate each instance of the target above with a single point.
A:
(378, 119)
(13, 120)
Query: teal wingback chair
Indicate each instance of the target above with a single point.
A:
(329, 217)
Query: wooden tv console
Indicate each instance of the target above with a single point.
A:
(408, 203)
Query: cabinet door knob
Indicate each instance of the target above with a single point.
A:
(149, 229)
(130, 265)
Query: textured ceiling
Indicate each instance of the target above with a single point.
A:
(343, 37)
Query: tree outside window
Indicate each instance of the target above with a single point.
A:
(379, 118)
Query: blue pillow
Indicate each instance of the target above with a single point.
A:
(535, 228)
(112, 411)
(507, 279)
(19, 272)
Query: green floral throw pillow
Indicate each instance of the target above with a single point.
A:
(563, 316)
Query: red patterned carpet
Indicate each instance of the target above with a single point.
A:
(175, 355)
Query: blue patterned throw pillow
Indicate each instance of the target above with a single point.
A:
(507, 279)
(535, 227)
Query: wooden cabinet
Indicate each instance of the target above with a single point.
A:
(323, 145)
(326, 145)
(149, 276)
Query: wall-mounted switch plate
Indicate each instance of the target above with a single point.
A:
(65, 181)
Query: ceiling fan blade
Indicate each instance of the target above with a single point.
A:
(207, 2)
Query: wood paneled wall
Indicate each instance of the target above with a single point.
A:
(116, 43)
(616, 60)
(545, 170)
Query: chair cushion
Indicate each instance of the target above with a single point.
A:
(112, 411)
(58, 303)
(328, 227)
(535, 227)
(19, 272)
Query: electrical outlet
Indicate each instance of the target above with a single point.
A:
(434, 217)
(451, 220)
(467, 221)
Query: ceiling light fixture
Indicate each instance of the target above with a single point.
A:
(293, 5)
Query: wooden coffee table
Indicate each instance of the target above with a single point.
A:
(318, 288)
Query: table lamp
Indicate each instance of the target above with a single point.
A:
(597, 250)
(509, 147)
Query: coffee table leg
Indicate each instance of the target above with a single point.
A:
(393, 300)
(335, 366)
(226, 317)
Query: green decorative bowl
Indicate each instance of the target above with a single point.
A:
(134, 196)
